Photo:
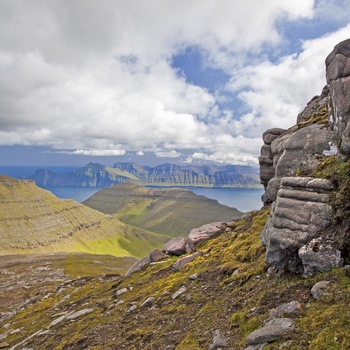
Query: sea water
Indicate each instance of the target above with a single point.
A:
(243, 199)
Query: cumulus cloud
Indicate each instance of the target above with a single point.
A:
(96, 78)
(274, 93)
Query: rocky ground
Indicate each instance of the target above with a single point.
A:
(224, 299)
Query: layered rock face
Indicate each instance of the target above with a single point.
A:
(300, 212)
(295, 235)
(338, 80)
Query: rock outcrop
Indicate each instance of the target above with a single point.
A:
(295, 234)
(338, 80)
(300, 212)
(267, 169)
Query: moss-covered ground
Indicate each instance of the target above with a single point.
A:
(227, 288)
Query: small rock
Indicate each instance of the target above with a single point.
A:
(193, 277)
(179, 292)
(4, 345)
(176, 246)
(79, 313)
(318, 289)
(132, 308)
(273, 330)
(219, 340)
(148, 302)
(286, 308)
(121, 291)
(156, 255)
(180, 264)
(138, 266)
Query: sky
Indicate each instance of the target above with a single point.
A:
(155, 81)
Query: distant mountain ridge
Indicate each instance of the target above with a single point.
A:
(98, 175)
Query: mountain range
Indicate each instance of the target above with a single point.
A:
(165, 175)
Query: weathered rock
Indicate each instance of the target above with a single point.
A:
(267, 169)
(156, 255)
(148, 302)
(287, 308)
(119, 292)
(176, 246)
(300, 151)
(273, 330)
(300, 212)
(219, 340)
(272, 188)
(318, 289)
(319, 256)
(4, 345)
(314, 106)
(139, 265)
(204, 233)
(338, 79)
(180, 264)
(79, 313)
(179, 292)
(271, 135)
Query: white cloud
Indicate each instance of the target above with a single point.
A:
(274, 93)
(170, 154)
(95, 78)
(98, 152)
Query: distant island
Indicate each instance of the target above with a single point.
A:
(164, 175)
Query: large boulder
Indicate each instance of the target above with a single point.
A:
(204, 233)
(176, 246)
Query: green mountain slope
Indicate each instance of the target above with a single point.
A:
(170, 211)
(225, 289)
(33, 220)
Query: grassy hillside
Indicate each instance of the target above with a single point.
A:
(226, 289)
(170, 211)
(33, 220)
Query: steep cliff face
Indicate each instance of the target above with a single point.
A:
(300, 232)
(97, 175)
(92, 175)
